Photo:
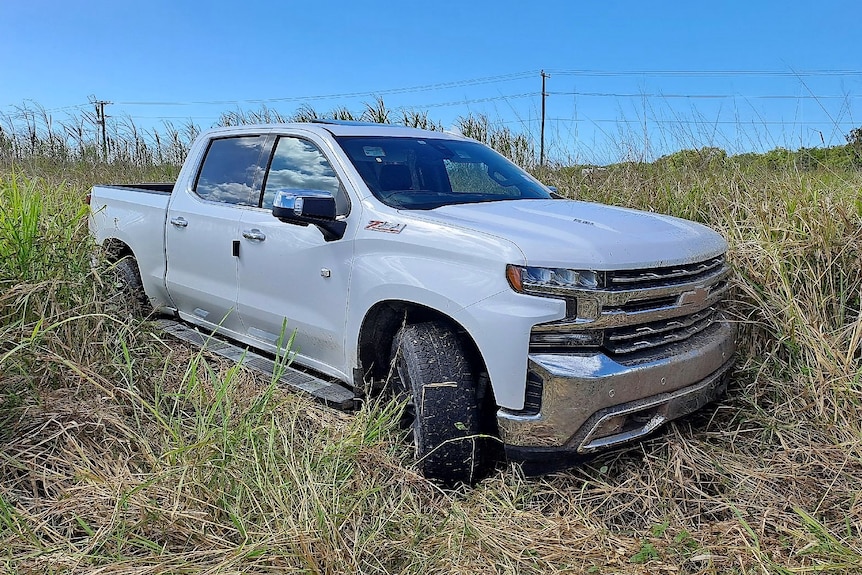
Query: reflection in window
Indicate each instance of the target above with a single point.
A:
(299, 165)
(442, 172)
(477, 177)
(231, 171)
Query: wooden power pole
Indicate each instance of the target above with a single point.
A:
(100, 120)
(542, 137)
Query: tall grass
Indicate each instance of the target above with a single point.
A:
(19, 230)
(796, 242)
(54, 310)
(33, 138)
(124, 451)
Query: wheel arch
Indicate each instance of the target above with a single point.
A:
(116, 249)
(383, 320)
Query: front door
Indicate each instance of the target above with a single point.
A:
(290, 279)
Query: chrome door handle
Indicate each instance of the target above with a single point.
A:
(254, 235)
(179, 222)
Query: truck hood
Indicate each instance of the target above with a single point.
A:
(584, 235)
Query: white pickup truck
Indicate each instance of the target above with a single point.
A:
(426, 263)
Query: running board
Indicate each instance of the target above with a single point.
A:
(332, 394)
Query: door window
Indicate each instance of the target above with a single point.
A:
(298, 164)
(231, 172)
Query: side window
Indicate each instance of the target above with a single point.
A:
(231, 171)
(298, 164)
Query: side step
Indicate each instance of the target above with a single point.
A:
(332, 394)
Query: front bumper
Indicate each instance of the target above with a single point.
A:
(591, 402)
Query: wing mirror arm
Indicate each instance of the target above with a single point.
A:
(555, 194)
(303, 207)
(333, 230)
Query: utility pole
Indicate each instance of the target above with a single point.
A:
(542, 139)
(100, 120)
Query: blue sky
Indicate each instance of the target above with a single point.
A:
(627, 79)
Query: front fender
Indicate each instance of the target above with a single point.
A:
(500, 326)
(476, 297)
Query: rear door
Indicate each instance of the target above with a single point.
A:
(203, 226)
(288, 273)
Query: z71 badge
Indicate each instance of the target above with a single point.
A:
(388, 227)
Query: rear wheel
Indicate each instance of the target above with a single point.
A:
(442, 407)
(130, 288)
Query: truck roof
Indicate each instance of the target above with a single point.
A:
(337, 128)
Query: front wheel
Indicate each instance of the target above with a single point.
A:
(433, 372)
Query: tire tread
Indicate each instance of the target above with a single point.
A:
(441, 381)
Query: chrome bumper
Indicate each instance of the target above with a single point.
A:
(590, 401)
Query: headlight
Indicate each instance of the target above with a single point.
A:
(549, 281)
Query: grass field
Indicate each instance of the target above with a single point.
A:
(122, 451)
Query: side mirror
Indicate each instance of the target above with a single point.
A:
(303, 207)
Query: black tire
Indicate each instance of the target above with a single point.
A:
(443, 410)
(129, 285)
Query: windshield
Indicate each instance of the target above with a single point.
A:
(426, 173)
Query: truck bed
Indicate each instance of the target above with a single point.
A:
(135, 216)
(149, 187)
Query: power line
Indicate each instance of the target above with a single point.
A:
(705, 96)
(784, 73)
(464, 102)
(476, 100)
(387, 91)
(522, 76)
(69, 108)
(39, 109)
(849, 100)
(467, 102)
(507, 77)
(583, 120)
(703, 122)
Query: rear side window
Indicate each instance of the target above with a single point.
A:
(231, 172)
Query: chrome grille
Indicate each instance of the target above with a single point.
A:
(643, 305)
(638, 310)
(655, 334)
(639, 279)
